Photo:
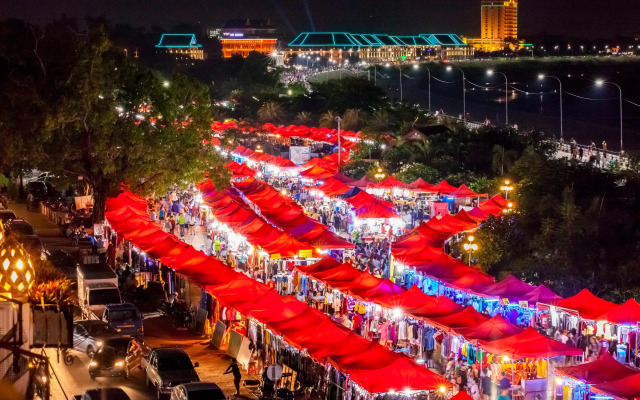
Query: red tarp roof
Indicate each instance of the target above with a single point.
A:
(626, 388)
(419, 185)
(398, 376)
(332, 187)
(362, 183)
(375, 210)
(449, 224)
(604, 369)
(443, 187)
(510, 288)
(541, 294)
(493, 329)
(389, 183)
(464, 191)
(316, 173)
(588, 305)
(627, 313)
(529, 344)
(463, 319)
(344, 179)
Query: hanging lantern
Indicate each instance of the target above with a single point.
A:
(16, 270)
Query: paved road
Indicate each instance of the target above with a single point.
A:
(75, 379)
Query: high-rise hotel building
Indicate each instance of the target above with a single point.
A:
(499, 25)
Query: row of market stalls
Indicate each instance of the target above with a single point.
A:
(284, 323)
(382, 304)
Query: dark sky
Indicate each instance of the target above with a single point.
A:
(578, 18)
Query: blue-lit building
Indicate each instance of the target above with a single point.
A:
(376, 48)
(182, 46)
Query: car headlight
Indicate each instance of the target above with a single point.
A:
(99, 343)
(119, 364)
(93, 364)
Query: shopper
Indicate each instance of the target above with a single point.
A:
(235, 370)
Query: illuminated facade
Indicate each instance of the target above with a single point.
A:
(244, 36)
(498, 26)
(182, 47)
(377, 48)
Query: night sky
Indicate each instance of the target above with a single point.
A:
(577, 18)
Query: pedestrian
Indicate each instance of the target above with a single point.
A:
(604, 145)
(192, 224)
(235, 370)
(181, 224)
(161, 215)
(504, 385)
(474, 389)
(486, 384)
(581, 152)
(172, 221)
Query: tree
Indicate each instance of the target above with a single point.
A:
(502, 159)
(116, 123)
(303, 118)
(380, 120)
(353, 119)
(328, 119)
(270, 111)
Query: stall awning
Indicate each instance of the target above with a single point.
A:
(443, 187)
(464, 191)
(587, 304)
(625, 389)
(604, 369)
(510, 288)
(419, 185)
(463, 319)
(495, 328)
(541, 294)
(401, 375)
(529, 344)
(389, 183)
(627, 313)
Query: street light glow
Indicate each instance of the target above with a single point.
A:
(540, 76)
(489, 72)
(449, 68)
(599, 82)
(415, 66)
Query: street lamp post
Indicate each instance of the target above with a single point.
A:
(601, 82)
(542, 76)
(416, 66)
(400, 73)
(470, 247)
(339, 121)
(506, 188)
(464, 92)
(506, 93)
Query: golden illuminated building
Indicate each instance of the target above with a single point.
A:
(242, 37)
(499, 26)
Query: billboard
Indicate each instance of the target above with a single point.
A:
(299, 154)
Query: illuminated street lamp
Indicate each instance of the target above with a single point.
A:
(470, 247)
(508, 209)
(259, 149)
(506, 93)
(541, 77)
(464, 92)
(601, 82)
(417, 66)
(379, 175)
(506, 189)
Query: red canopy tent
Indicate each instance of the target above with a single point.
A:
(419, 185)
(464, 191)
(401, 375)
(627, 313)
(510, 288)
(604, 369)
(316, 173)
(362, 183)
(625, 389)
(449, 224)
(497, 200)
(443, 187)
(375, 210)
(495, 328)
(585, 303)
(344, 179)
(389, 183)
(332, 187)
(541, 294)
(529, 344)
(463, 319)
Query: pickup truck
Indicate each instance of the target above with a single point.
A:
(166, 367)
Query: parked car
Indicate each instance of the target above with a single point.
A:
(197, 391)
(116, 357)
(19, 226)
(64, 262)
(102, 394)
(7, 215)
(166, 367)
(124, 318)
(89, 335)
(33, 245)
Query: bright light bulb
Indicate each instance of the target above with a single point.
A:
(471, 238)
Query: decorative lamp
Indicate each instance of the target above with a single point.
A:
(16, 270)
(2, 233)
